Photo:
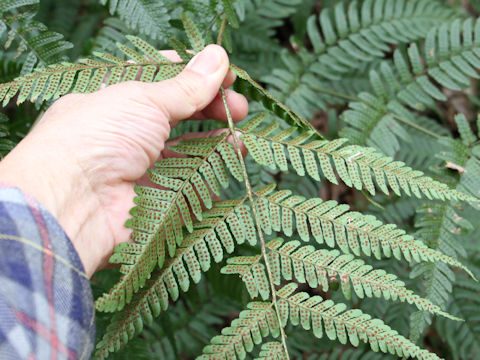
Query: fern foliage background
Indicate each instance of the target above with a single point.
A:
(349, 231)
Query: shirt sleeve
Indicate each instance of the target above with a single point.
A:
(46, 303)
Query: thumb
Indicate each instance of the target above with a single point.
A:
(194, 88)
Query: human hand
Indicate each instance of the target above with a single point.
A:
(83, 158)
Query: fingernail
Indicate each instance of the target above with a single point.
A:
(205, 62)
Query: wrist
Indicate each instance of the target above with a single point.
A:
(50, 177)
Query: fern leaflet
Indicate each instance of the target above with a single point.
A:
(318, 268)
(158, 217)
(354, 164)
(344, 325)
(227, 223)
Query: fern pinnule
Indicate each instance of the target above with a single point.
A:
(318, 268)
(344, 325)
(257, 92)
(271, 351)
(226, 224)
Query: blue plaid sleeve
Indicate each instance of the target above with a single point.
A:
(46, 304)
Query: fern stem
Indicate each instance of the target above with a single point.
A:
(221, 31)
(249, 190)
(416, 126)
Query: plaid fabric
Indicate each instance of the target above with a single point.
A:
(46, 304)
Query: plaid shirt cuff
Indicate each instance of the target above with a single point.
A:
(46, 304)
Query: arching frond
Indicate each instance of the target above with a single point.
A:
(344, 325)
(440, 225)
(463, 338)
(449, 59)
(345, 38)
(89, 75)
(356, 166)
(226, 224)
(146, 16)
(159, 214)
(41, 46)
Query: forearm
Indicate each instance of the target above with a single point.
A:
(46, 305)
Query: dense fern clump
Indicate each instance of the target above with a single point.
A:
(349, 229)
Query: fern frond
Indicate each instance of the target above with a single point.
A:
(318, 268)
(112, 32)
(356, 166)
(42, 47)
(88, 75)
(272, 351)
(346, 38)
(257, 321)
(257, 92)
(449, 59)
(441, 225)
(5, 144)
(463, 338)
(159, 214)
(334, 225)
(146, 16)
(227, 223)
(343, 325)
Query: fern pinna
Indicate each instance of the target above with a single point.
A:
(204, 208)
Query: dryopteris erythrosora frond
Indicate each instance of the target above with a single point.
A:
(159, 214)
(90, 75)
(450, 58)
(319, 268)
(226, 224)
(356, 166)
(345, 38)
